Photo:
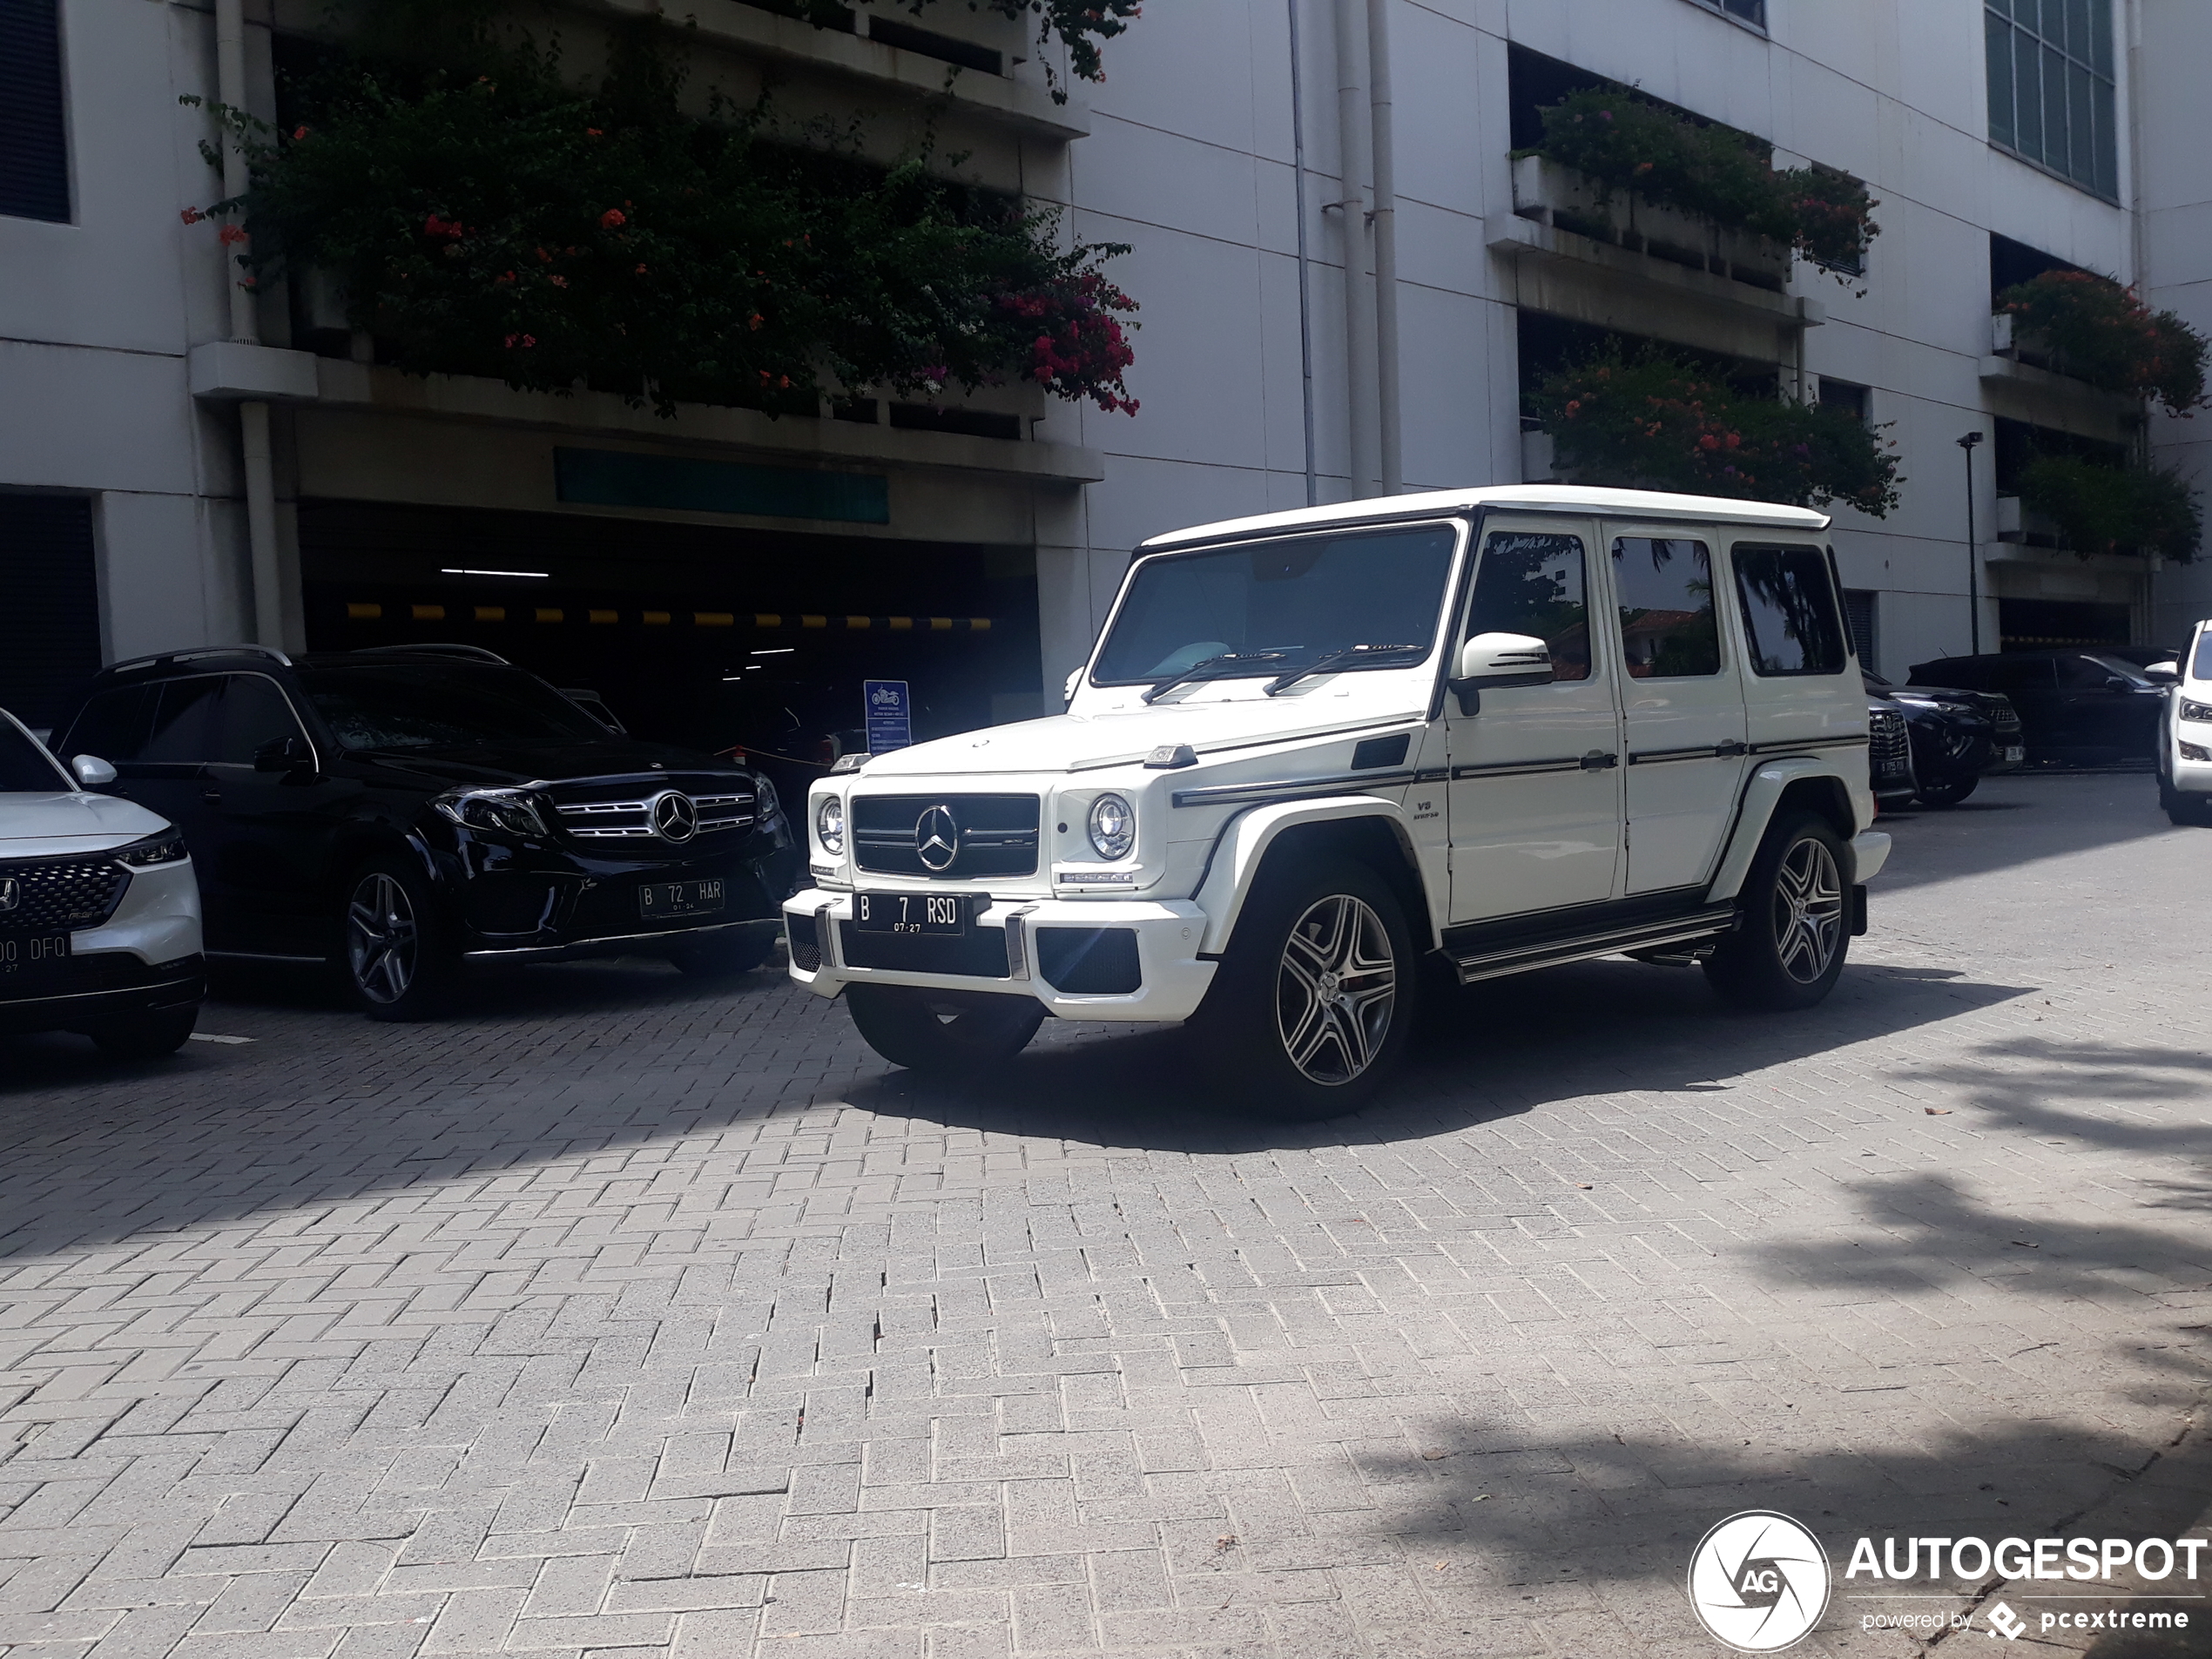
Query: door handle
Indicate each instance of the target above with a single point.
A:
(1598, 761)
(211, 794)
(1731, 747)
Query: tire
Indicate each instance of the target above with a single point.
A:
(399, 961)
(1939, 796)
(153, 1037)
(1316, 994)
(944, 1035)
(2188, 811)
(1789, 948)
(725, 957)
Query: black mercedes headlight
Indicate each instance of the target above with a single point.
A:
(168, 847)
(500, 811)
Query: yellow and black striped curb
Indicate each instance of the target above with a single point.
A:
(357, 611)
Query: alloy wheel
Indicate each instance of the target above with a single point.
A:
(1808, 910)
(1336, 989)
(381, 938)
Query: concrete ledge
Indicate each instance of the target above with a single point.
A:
(749, 29)
(2097, 410)
(455, 397)
(233, 371)
(1525, 239)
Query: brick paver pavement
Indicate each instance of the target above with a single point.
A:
(626, 1317)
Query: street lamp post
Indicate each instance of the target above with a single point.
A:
(1973, 548)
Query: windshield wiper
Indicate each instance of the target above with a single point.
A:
(1337, 658)
(1227, 662)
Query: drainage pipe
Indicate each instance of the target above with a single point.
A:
(1305, 260)
(1354, 134)
(256, 461)
(1390, 428)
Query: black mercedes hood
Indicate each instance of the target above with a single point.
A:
(507, 764)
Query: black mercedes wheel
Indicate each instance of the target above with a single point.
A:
(1946, 794)
(398, 964)
(1788, 950)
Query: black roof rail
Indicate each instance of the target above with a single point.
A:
(166, 659)
(436, 648)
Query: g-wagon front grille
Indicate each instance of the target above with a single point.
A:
(952, 838)
(59, 894)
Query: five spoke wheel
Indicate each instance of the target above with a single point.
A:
(1335, 989)
(1808, 910)
(383, 942)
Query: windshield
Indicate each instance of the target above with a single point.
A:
(436, 705)
(1296, 600)
(2127, 670)
(24, 769)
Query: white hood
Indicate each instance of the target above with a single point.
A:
(1079, 742)
(47, 825)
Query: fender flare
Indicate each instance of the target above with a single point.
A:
(1243, 844)
(1761, 794)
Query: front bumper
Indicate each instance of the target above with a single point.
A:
(1869, 851)
(546, 905)
(103, 988)
(1018, 947)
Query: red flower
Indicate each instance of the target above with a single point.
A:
(505, 279)
(641, 270)
(612, 218)
(524, 340)
(558, 282)
(592, 132)
(1708, 441)
(448, 229)
(298, 133)
(192, 216)
(230, 236)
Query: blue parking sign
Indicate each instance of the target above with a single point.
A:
(890, 715)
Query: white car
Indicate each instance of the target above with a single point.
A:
(100, 910)
(2185, 735)
(1502, 728)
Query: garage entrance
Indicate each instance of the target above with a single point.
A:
(696, 634)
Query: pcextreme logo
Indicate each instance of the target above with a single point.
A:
(1759, 1582)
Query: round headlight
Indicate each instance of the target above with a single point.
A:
(1113, 827)
(829, 826)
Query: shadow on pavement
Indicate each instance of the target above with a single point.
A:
(2014, 819)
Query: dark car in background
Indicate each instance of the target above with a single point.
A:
(1958, 736)
(2083, 706)
(402, 812)
(1889, 752)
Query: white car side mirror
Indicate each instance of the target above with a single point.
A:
(2163, 673)
(1498, 661)
(1074, 679)
(92, 772)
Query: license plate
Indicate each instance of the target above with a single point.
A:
(910, 912)
(2016, 754)
(658, 899)
(29, 955)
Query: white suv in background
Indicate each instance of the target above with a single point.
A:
(99, 911)
(2185, 735)
(1505, 728)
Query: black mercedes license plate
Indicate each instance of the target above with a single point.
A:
(659, 899)
(31, 956)
(940, 914)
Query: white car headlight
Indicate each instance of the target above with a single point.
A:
(829, 826)
(1113, 827)
(2195, 711)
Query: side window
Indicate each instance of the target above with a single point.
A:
(1667, 630)
(2085, 674)
(1789, 611)
(111, 725)
(252, 712)
(184, 721)
(2201, 668)
(1536, 584)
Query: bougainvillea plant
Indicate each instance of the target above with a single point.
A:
(1080, 25)
(1651, 421)
(2103, 508)
(508, 224)
(1626, 142)
(2101, 332)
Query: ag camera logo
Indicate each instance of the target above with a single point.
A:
(1758, 1581)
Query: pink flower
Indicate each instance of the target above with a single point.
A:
(192, 216)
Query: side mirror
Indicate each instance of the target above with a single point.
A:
(1498, 661)
(284, 755)
(92, 772)
(2163, 673)
(2118, 683)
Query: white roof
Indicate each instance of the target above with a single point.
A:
(1613, 503)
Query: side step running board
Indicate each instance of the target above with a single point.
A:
(1702, 924)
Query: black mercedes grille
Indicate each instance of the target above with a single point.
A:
(621, 809)
(988, 835)
(1890, 751)
(60, 896)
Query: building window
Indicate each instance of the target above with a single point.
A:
(34, 149)
(2051, 92)
(49, 629)
(1861, 607)
(1843, 395)
(1750, 11)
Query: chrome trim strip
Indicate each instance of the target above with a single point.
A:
(261, 956)
(579, 946)
(1496, 964)
(1791, 746)
(825, 935)
(113, 990)
(1290, 789)
(1516, 768)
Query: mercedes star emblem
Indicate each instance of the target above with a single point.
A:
(937, 837)
(675, 819)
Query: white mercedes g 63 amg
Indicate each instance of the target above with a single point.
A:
(1514, 727)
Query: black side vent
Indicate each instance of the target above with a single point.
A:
(34, 142)
(1371, 753)
(929, 43)
(1090, 961)
(50, 626)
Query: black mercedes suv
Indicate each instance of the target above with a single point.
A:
(402, 812)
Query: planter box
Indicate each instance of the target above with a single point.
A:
(1538, 464)
(1570, 200)
(2018, 522)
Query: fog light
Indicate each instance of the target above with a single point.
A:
(2195, 752)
